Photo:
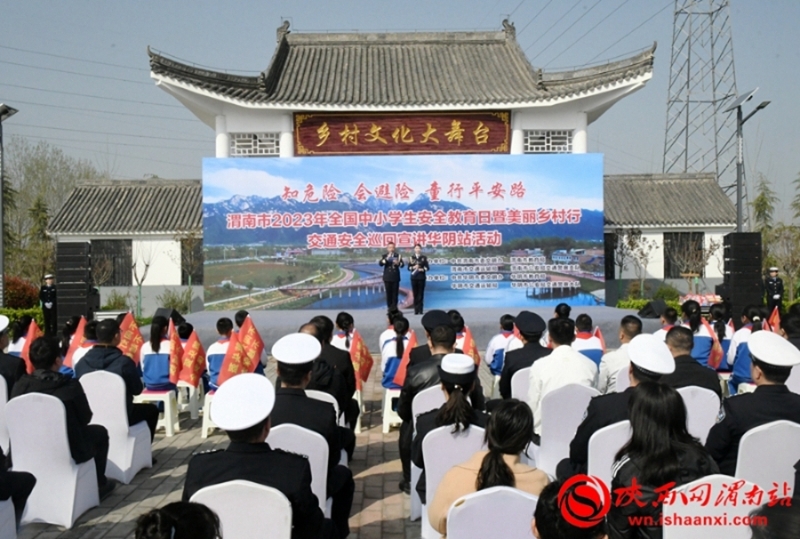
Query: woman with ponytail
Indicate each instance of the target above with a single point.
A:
(719, 318)
(508, 433)
(179, 520)
(392, 352)
(739, 351)
(457, 374)
(702, 332)
(155, 357)
(19, 333)
(345, 324)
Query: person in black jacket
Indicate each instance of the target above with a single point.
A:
(531, 326)
(661, 453)
(458, 374)
(85, 441)
(418, 266)
(340, 360)
(11, 367)
(242, 407)
(295, 354)
(16, 486)
(688, 372)
(105, 356)
(430, 320)
(324, 377)
(651, 361)
(391, 262)
(772, 360)
(422, 376)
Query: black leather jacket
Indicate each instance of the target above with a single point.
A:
(424, 375)
(695, 463)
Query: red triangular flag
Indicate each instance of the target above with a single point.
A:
(131, 339)
(470, 348)
(194, 361)
(599, 334)
(251, 342)
(235, 361)
(775, 320)
(362, 359)
(400, 375)
(77, 340)
(33, 333)
(175, 353)
(715, 356)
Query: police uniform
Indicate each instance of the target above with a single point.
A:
(47, 296)
(391, 263)
(773, 287)
(431, 320)
(342, 363)
(418, 266)
(522, 358)
(647, 352)
(293, 406)
(242, 402)
(769, 402)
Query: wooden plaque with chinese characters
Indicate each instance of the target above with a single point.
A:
(401, 133)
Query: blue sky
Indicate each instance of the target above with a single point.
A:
(78, 71)
(551, 181)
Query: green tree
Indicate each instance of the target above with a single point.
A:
(764, 205)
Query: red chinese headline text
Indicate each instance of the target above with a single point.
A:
(729, 495)
(402, 191)
(461, 238)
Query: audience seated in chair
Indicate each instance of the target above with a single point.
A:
(780, 521)
(11, 367)
(85, 441)
(217, 351)
(16, 486)
(530, 326)
(155, 357)
(549, 523)
(178, 520)
(613, 362)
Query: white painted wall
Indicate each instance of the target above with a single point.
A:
(165, 261)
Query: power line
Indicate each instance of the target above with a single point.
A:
(590, 30)
(74, 73)
(516, 8)
(570, 26)
(152, 137)
(121, 155)
(118, 99)
(170, 118)
(491, 9)
(534, 17)
(554, 25)
(653, 16)
(128, 144)
(72, 58)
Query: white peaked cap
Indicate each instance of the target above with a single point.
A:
(651, 354)
(296, 349)
(458, 364)
(772, 349)
(242, 401)
(4, 322)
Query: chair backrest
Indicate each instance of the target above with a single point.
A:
(3, 427)
(768, 453)
(427, 400)
(702, 409)
(623, 381)
(493, 512)
(325, 397)
(793, 382)
(302, 441)
(248, 510)
(520, 384)
(603, 447)
(562, 411)
(442, 449)
(37, 425)
(155, 372)
(105, 392)
(688, 504)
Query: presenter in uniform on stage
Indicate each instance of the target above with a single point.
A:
(47, 297)
(391, 262)
(773, 287)
(418, 266)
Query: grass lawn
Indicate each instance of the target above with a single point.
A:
(261, 274)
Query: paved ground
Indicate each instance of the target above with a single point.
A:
(380, 510)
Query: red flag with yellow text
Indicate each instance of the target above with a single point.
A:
(175, 353)
(775, 320)
(470, 348)
(33, 333)
(599, 334)
(235, 362)
(251, 342)
(194, 361)
(400, 375)
(131, 339)
(77, 340)
(715, 356)
(362, 359)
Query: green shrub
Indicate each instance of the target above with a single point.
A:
(116, 301)
(15, 314)
(180, 300)
(667, 293)
(20, 294)
(637, 304)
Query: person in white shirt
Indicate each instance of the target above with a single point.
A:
(217, 351)
(388, 334)
(496, 349)
(342, 337)
(562, 367)
(668, 320)
(392, 349)
(616, 360)
(90, 339)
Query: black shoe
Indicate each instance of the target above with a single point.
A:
(405, 486)
(105, 489)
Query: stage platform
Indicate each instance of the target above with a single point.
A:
(484, 323)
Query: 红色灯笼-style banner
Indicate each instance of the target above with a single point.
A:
(512, 230)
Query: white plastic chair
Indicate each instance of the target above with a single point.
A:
(726, 512)
(311, 444)
(8, 523)
(793, 382)
(702, 409)
(768, 453)
(361, 411)
(129, 446)
(327, 397)
(3, 426)
(390, 416)
(520, 384)
(426, 400)
(442, 449)
(189, 398)
(623, 381)
(64, 490)
(248, 510)
(494, 512)
(562, 411)
(169, 418)
(208, 426)
(603, 447)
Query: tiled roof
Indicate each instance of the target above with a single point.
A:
(131, 207)
(666, 200)
(400, 69)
